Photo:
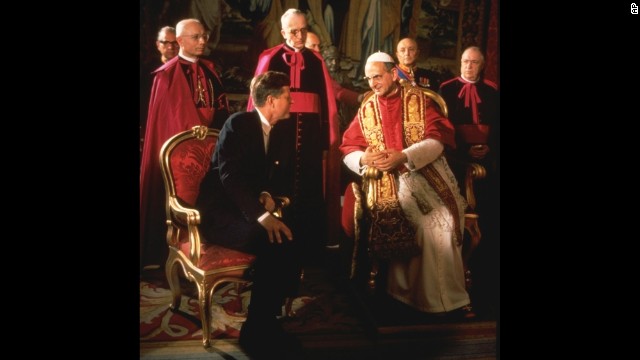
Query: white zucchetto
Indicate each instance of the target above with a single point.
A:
(380, 57)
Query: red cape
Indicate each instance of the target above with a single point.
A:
(171, 110)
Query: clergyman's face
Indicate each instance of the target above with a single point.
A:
(313, 42)
(471, 64)
(295, 31)
(193, 40)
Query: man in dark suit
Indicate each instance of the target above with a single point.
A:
(236, 203)
(312, 132)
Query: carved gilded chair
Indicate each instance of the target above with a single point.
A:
(354, 220)
(186, 158)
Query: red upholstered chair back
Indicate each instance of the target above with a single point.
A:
(185, 159)
(190, 159)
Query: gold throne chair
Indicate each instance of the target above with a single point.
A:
(354, 211)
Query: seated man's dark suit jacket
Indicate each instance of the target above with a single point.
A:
(240, 171)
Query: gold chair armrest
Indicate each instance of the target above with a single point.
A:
(474, 172)
(186, 216)
(189, 218)
(281, 203)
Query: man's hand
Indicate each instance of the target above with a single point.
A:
(385, 160)
(372, 157)
(274, 227)
(267, 201)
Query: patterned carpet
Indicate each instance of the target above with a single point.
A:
(332, 320)
(320, 309)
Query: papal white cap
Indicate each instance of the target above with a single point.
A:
(379, 56)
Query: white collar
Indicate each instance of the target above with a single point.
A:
(467, 80)
(188, 58)
(266, 127)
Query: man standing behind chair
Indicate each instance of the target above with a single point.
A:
(235, 203)
(186, 92)
(308, 134)
(166, 43)
(168, 48)
(407, 52)
(474, 110)
(399, 131)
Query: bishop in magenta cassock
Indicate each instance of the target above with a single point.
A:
(186, 92)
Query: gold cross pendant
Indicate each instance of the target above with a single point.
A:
(201, 93)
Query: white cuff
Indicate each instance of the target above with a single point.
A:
(263, 216)
(352, 160)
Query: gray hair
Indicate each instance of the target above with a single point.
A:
(166, 29)
(288, 14)
(475, 48)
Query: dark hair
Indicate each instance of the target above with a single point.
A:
(268, 83)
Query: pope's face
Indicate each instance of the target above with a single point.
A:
(381, 80)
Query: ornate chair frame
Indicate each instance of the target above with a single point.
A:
(206, 265)
(474, 172)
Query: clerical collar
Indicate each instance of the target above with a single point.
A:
(266, 127)
(291, 48)
(190, 59)
(467, 80)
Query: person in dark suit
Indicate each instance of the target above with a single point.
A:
(312, 132)
(236, 203)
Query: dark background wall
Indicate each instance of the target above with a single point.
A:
(443, 28)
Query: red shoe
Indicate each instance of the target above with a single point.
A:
(467, 312)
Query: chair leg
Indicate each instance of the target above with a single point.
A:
(171, 272)
(204, 301)
(372, 276)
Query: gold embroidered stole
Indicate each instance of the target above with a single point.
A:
(380, 188)
(391, 235)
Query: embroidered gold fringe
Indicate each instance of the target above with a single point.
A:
(391, 235)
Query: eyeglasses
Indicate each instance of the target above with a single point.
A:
(296, 32)
(167, 42)
(196, 37)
